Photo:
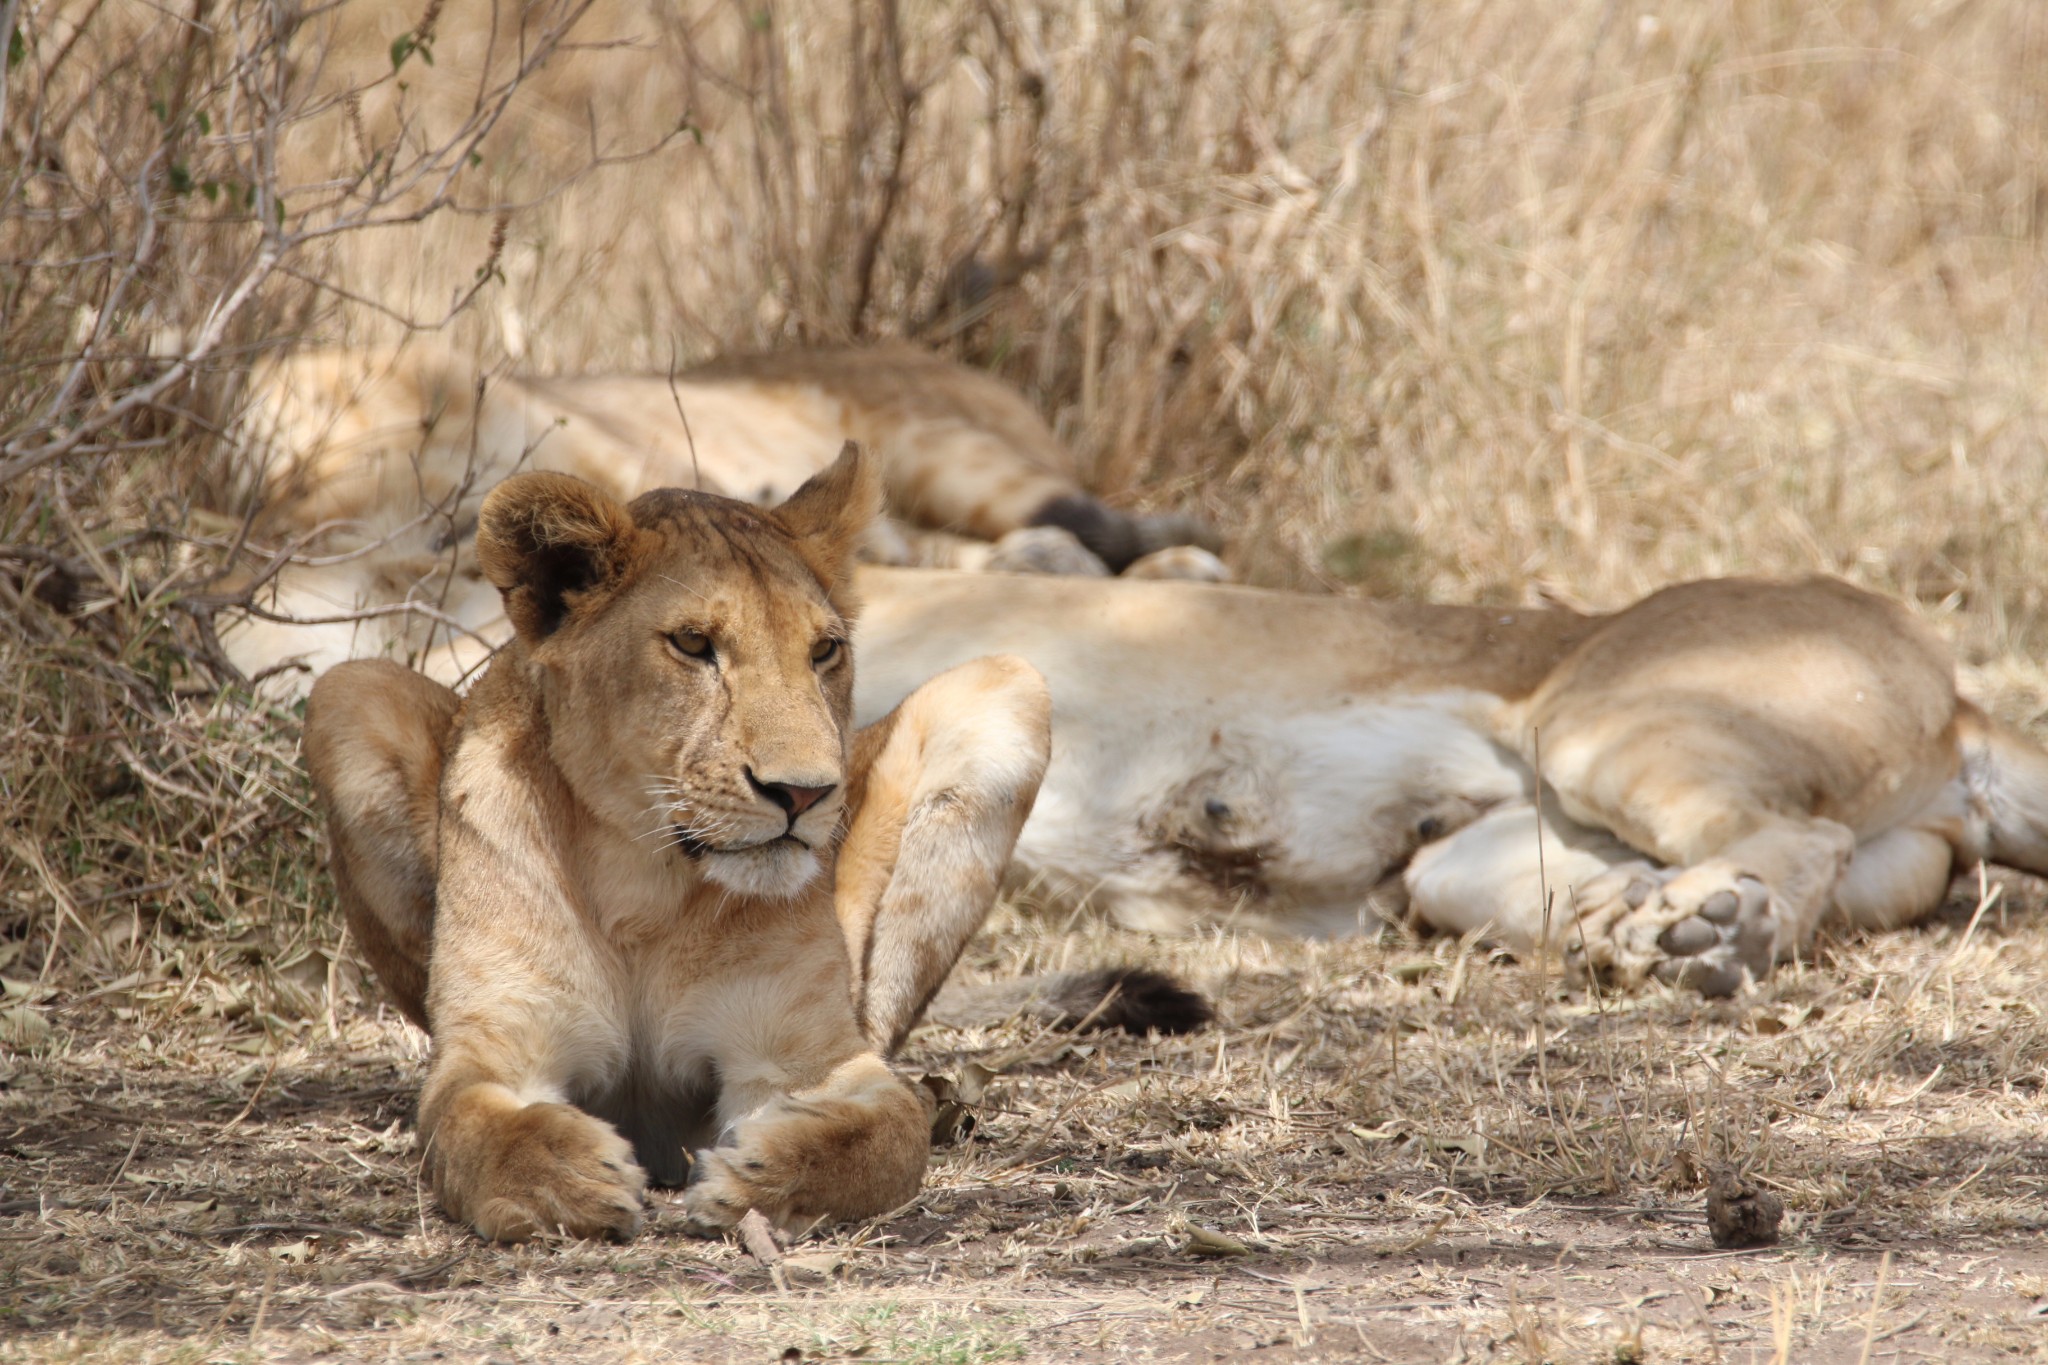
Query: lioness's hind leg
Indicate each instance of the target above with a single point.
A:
(1899, 878)
(375, 737)
(939, 789)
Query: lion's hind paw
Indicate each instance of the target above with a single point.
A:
(1705, 928)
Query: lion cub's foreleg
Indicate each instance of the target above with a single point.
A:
(376, 738)
(515, 1168)
(810, 1123)
(852, 1145)
(376, 734)
(532, 1018)
(940, 789)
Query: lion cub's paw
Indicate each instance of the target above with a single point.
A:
(557, 1169)
(1704, 927)
(800, 1162)
(724, 1184)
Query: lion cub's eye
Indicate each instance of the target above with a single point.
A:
(825, 651)
(693, 644)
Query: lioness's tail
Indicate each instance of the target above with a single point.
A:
(1137, 1000)
(1116, 539)
(2007, 776)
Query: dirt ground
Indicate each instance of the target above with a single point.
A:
(1387, 1150)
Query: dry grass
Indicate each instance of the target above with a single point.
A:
(1420, 1152)
(1459, 299)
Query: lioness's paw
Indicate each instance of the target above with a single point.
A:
(1045, 549)
(1704, 928)
(1189, 563)
(556, 1169)
(1598, 908)
(1726, 931)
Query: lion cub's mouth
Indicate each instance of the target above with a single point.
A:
(774, 868)
(697, 848)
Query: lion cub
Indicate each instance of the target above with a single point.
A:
(646, 886)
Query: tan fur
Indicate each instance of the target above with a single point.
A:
(375, 743)
(1723, 763)
(930, 786)
(379, 439)
(627, 874)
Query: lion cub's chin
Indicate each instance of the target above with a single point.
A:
(774, 871)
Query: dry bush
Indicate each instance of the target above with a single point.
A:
(1459, 299)
(159, 235)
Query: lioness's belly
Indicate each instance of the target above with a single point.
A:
(1192, 780)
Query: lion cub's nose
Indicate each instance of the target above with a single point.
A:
(793, 799)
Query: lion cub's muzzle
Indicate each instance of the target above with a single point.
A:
(803, 804)
(766, 841)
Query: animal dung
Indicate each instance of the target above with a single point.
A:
(1740, 1214)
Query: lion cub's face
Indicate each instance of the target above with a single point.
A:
(693, 662)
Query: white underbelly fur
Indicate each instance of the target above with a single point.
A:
(1207, 809)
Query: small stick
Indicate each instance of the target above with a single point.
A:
(122, 1169)
(1542, 871)
(263, 1304)
(248, 1108)
(757, 1235)
(1884, 1272)
(676, 396)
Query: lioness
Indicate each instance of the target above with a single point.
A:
(1720, 764)
(376, 461)
(606, 880)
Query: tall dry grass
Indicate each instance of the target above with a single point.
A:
(1461, 299)
(161, 229)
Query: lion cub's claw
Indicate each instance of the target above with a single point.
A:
(561, 1171)
(719, 1193)
(1705, 928)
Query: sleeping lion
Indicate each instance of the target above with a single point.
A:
(1685, 789)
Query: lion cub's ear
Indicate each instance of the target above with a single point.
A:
(830, 513)
(545, 539)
